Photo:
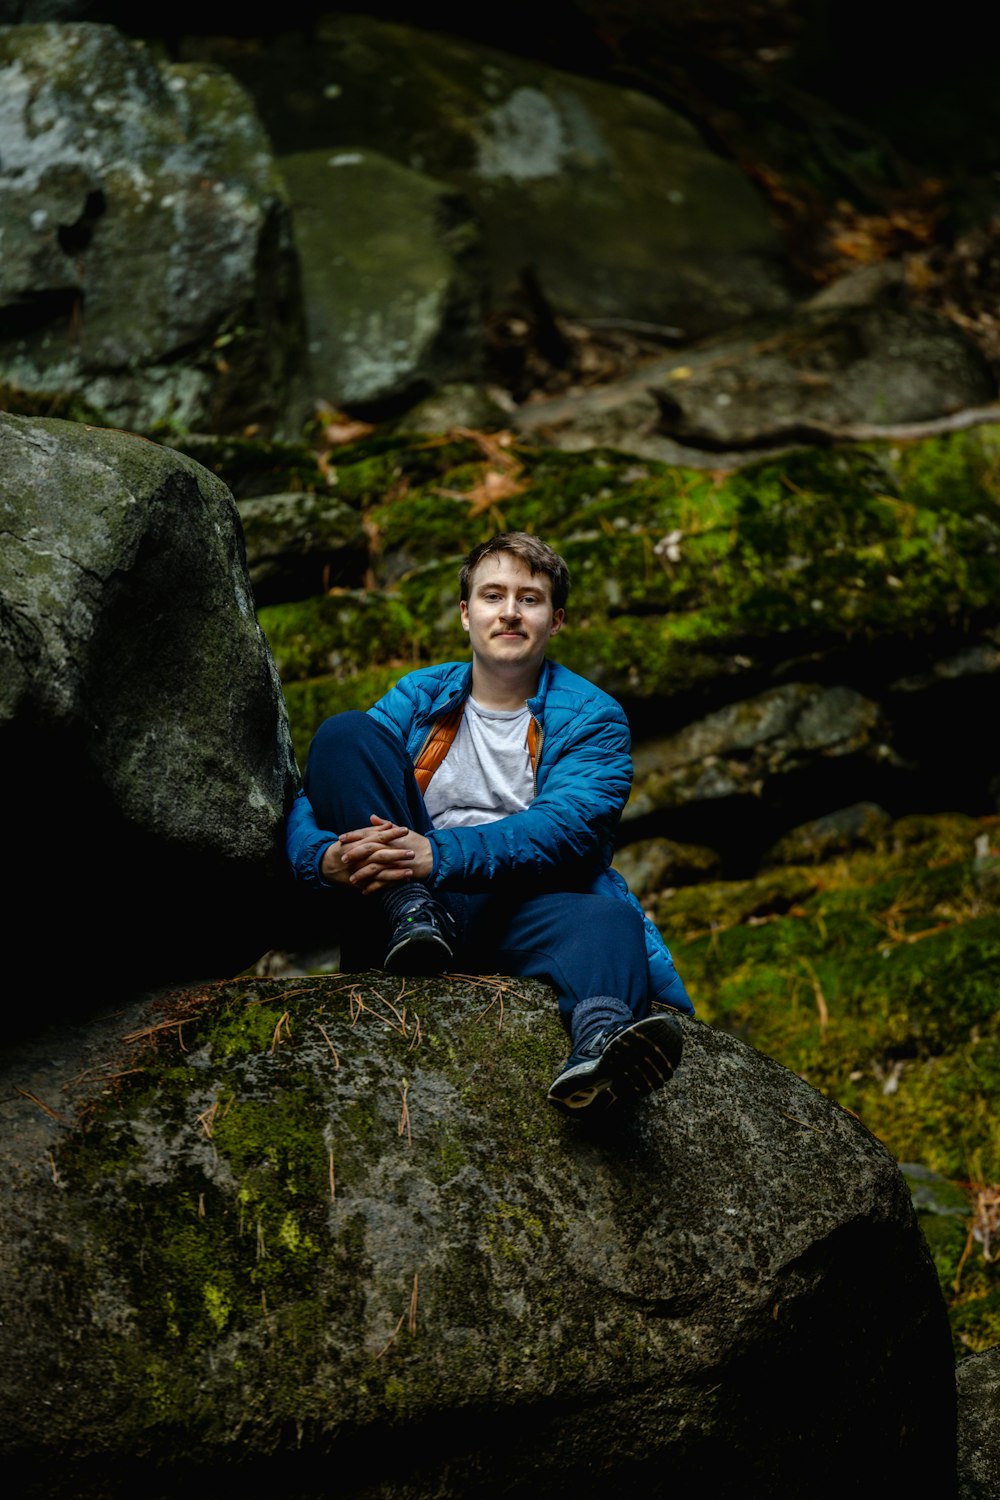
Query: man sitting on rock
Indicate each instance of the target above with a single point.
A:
(477, 806)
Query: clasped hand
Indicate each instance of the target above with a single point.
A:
(371, 859)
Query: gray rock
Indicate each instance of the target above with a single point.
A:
(392, 280)
(977, 659)
(144, 747)
(613, 199)
(879, 281)
(311, 1220)
(978, 1433)
(458, 405)
(743, 748)
(934, 1194)
(877, 365)
(300, 544)
(857, 827)
(802, 379)
(145, 251)
(651, 865)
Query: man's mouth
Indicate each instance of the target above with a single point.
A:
(518, 633)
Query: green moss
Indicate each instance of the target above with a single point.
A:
(309, 703)
(875, 979)
(339, 634)
(513, 1233)
(250, 466)
(680, 577)
(67, 405)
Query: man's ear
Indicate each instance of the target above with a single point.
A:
(463, 609)
(557, 621)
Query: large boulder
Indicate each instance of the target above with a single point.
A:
(341, 1231)
(978, 1435)
(736, 765)
(144, 750)
(613, 201)
(146, 257)
(393, 281)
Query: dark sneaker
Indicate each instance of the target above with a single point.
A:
(618, 1065)
(422, 937)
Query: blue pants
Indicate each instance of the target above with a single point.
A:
(581, 944)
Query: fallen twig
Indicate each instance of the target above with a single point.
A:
(821, 1006)
(336, 1059)
(806, 1123)
(392, 1337)
(47, 1108)
(207, 1120)
(404, 1115)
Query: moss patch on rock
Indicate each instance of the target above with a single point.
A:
(684, 579)
(874, 978)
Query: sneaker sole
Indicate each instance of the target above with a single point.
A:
(423, 953)
(634, 1063)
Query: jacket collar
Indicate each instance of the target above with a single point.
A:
(457, 688)
(537, 703)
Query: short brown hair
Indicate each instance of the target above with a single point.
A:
(537, 555)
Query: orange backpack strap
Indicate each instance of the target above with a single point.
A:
(436, 747)
(533, 742)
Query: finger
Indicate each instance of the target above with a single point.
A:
(386, 831)
(375, 854)
(384, 879)
(385, 862)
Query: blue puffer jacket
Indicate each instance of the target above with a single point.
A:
(583, 773)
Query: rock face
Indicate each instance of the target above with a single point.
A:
(345, 1228)
(813, 632)
(979, 1441)
(145, 255)
(734, 752)
(392, 278)
(143, 741)
(571, 178)
(815, 374)
(299, 544)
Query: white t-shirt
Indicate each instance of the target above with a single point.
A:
(487, 772)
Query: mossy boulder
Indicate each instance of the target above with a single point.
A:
(838, 832)
(339, 633)
(873, 975)
(567, 175)
(338, 1224)
(979, 1440)
(871, 571)
(143, 737)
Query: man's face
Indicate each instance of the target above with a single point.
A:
(509, 614)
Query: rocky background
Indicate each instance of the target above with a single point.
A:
(292, 316)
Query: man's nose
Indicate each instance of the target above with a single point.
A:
(511, 609)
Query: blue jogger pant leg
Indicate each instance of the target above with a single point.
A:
(582, 944)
